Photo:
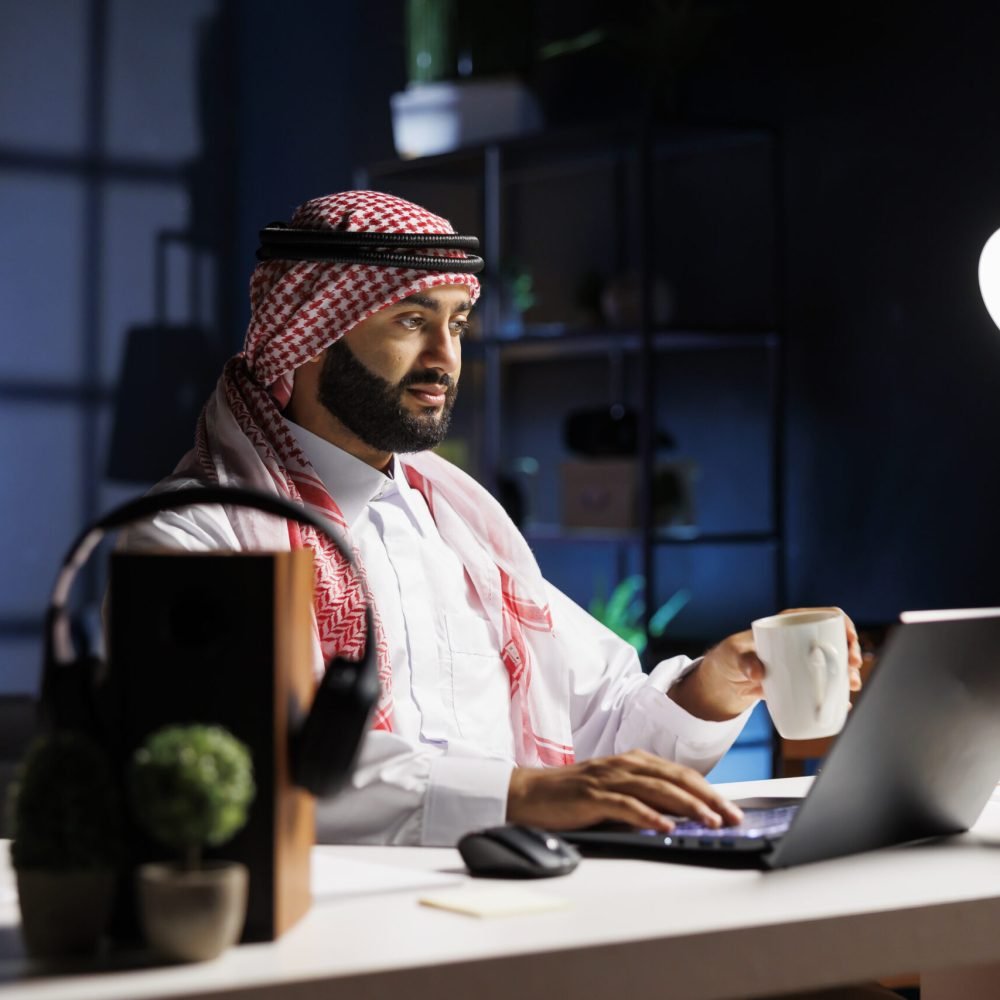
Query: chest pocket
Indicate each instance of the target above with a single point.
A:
(480, 688)
(471, 635)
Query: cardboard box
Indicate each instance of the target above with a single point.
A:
(604, 493)
(601, 493)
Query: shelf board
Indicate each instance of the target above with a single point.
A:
(21, 628)
(34, 391)
(78, 165)
(556, 341)
(596, 144)
(716, 538)
(541, 532)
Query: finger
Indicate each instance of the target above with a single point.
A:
(854, 679)
(852, 632)
(671, 799)
(627, 809)
(854, 657)
(693, 785)
(751, 667)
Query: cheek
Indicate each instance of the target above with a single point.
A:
(393, 364)
(382, 359)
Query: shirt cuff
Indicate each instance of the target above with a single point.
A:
(684, 737)
(465, 793)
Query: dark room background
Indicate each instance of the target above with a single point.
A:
(144, 142)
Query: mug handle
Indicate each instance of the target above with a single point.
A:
(822, 662)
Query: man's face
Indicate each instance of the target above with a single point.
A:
(392, 380)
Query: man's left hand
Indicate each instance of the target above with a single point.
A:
(728, 679)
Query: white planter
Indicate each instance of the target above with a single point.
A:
(192, 915)
(430, 118)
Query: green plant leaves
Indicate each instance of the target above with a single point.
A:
(624, 611)
(191, 786)
(64, 808)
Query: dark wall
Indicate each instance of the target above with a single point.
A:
(314, 80)
(888, 113)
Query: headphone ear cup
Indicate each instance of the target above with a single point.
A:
(324, 750)
(69, 696)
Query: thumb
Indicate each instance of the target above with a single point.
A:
(750, 666)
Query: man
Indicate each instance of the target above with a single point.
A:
(501, 700)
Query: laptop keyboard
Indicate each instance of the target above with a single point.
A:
(757, 823)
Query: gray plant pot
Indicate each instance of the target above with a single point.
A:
(192, 915)
(64, 913)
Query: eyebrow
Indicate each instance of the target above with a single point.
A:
(426, 302)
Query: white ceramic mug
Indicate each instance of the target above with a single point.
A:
(806, 684)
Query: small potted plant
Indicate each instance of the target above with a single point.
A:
(66, 823)
(191, 788)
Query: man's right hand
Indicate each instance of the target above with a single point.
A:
(637, 788)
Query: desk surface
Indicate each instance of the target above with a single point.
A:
(632, 928)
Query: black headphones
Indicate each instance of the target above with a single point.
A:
(324, 748)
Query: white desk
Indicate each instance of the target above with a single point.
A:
(633, 929)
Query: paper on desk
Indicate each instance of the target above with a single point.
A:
(493, 900)
(334, 877)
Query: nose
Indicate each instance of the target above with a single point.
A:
(442, 349)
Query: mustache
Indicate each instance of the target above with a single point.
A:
(428, 377)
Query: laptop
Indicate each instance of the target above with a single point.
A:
(918, 758)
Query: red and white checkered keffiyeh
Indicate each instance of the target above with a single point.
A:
(300, 308)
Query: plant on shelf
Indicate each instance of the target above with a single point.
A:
(517, 296)
(623, 612)
(191, 787)
(66, 828)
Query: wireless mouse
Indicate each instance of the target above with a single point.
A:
(517, 852)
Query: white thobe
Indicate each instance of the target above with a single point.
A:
(445, 767)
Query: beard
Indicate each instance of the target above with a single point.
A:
(372, 407)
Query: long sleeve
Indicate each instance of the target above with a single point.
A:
(405, 793)
(615, 707)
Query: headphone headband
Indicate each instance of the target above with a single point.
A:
(325, 746)
(58, 632)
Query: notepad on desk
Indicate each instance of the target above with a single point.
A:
(493, 900)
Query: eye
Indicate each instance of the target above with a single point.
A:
(412, 321)
(459, 327)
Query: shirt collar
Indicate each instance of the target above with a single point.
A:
(353, 484)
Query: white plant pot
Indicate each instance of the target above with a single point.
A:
(192, 915)
(430, 118)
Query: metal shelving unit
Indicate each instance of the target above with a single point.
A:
(626, 148)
